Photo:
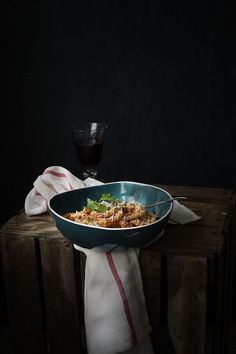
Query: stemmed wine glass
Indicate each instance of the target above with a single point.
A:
(88, 141)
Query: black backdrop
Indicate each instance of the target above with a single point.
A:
(161, 75)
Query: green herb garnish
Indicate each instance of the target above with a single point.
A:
(98, 206)
(108, 197)
(93, 205)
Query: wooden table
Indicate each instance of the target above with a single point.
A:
(191, 267)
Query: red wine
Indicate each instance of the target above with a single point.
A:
(89, 154)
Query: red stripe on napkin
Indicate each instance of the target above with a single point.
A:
(123, 295)
(37, 194)
(57, 174)
(54, 173)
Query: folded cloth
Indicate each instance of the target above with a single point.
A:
(54, 180)
(116, 318)
(182, 215)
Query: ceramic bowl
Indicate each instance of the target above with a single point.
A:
(88, 236)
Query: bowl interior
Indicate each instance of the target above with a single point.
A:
(125, 191)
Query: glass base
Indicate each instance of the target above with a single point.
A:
(89, 172)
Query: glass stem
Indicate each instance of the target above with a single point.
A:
(90, 172)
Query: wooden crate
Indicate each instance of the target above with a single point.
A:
(187, 278)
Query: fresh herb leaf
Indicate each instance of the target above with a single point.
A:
(108, 197)
(93, 205)
(101, 208)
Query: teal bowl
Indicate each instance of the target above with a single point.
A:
(88, 236)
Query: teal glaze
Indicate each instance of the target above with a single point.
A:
(88, 236)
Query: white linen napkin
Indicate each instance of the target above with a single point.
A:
(180, 214)
(54, 180)
(116, 318)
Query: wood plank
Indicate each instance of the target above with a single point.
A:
(225, 328)
(188, 240)
(187, 290)
(39, 225)
(218, 300)
(223, 289)
(228, 275)
(150, 264)
(22, 283)
(233, 263)
(210, 303)
(81, 257)
(212, 214)
(217, 195)
(60, 296)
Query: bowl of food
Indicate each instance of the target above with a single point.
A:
(111, 214)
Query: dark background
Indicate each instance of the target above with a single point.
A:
(161, 74)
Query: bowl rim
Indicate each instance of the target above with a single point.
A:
(112, 228)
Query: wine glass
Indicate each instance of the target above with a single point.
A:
(88, 141)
